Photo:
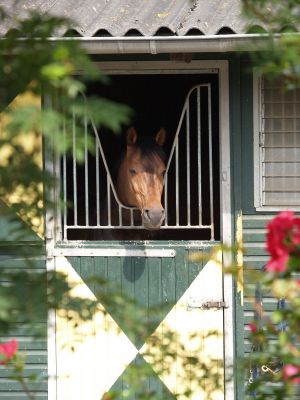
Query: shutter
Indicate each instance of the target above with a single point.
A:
(279, 144)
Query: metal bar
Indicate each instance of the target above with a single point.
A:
(210, 165)
(74, 172)
(97, 185)
(81, 252)
(188, 165)
(65, 183)
(86, 173)
(199, 156)
(131, 217)
(108, 202)
(166, 200)
(140, 227)
(177, 183)
(120, 216)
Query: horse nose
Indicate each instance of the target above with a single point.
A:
(154, 215)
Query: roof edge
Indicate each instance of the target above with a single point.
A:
(171, 44)
(174, 44)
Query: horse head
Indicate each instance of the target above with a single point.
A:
(141, 177)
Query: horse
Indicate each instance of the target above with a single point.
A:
(140, 177)
(138, 181)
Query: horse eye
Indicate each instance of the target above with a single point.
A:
(132, 171)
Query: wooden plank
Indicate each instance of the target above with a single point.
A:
(22, 396)
(256, 222)
(127, 277)
(101, 273)
(36, 370)
(254, 235)
(10, 385)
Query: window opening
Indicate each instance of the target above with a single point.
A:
(191, 183)
(279, 145)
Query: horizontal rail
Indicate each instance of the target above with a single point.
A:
(138, 227)
(84, 252)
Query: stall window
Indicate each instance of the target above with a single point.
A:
(276, 145)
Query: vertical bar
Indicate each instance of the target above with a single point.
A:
(131, 217)
(177, 183)
(120, 222)
(97, 185)
(74, 172)
(65, 182)
(199, 157)
(188, 170)
(210, 166)
(166, 199)
(86, 174)
(261, 139)
(108, 202)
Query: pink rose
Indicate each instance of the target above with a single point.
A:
(283, 237)
(277, 264)
(290, 371)
(252, 327)
(8, 350)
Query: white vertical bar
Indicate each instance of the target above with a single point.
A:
(199, 156)
(262, 139)
(97, 184)
(120, 222)
(188, 164)
(131, 217)
(65, 183)
(108, 202)
(166, 200)
(210, 165)
(226, 226)
(74, 172)
(86, 173)
(177, 182)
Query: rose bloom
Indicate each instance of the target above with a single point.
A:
(7, 351)
(252, 327)
(289, 371)
(283, 236)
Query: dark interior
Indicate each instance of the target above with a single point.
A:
(157, 101)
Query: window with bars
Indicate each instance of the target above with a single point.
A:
(277, 145)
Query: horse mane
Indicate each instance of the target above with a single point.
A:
(149, 147)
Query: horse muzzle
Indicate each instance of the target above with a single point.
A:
(153, 218)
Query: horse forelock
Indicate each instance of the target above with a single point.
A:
(149, 148)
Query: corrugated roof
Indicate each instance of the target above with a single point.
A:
(138, 17)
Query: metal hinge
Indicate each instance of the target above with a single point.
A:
(261, 139)
(206, 305)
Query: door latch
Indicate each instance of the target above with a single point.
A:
(206, 305)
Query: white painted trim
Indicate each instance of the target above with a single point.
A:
(275, 209)
(256, 148)
(225, 182)
(50, 224)
(226, 224)
(113, 252)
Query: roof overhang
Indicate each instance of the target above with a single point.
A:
(171, 44)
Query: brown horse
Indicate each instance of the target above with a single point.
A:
(140, 177)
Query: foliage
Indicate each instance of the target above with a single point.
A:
(274, 367)
(282, 53)
(37, 68)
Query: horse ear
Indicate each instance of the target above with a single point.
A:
(131, 136)
(160, 137)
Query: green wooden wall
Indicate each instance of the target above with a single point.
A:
(13, 252)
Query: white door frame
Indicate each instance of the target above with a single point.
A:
(172, 67)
